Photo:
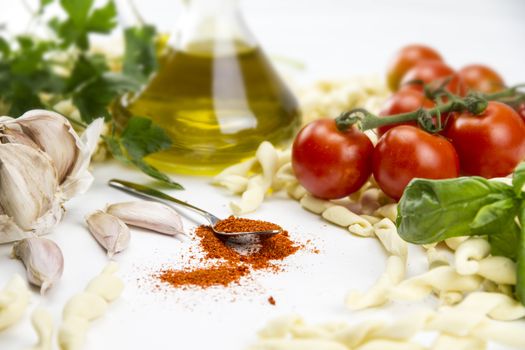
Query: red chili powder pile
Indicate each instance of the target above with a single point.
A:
(230, 265)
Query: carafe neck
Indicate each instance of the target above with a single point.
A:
(212, 21)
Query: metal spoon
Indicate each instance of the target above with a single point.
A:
(142, 191)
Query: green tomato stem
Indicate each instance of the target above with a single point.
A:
(473, 103)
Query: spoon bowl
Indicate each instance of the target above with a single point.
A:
(149, 193)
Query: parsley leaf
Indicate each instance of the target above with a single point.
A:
(93, 97)
(82, 20)
(103, 19)
(140, 138)
(140, 57)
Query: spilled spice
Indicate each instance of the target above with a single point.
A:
(271, 300)
(228, 264)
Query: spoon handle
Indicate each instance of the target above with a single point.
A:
(142, 191)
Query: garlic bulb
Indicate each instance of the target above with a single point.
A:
(43, 260)
(43, 163)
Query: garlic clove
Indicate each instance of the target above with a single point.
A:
(52, 133)
(109, 231)
(28, 184)
(15, 136)
(150, 215)
(43, 260)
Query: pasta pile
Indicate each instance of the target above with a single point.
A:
(328, 98)
(473, 287)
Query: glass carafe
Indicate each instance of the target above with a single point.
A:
(215, 93)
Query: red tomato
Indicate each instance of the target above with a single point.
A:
(521, 110)
(433, 73)
(330, 163)
(481, 78)
(406, 152)
(405, 59)
(490, 144)
(403, 101)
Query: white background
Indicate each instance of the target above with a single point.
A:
(334, 39)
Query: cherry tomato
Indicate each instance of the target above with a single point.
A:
(403, 101)
(433, 73)
(481, 78)
(490, 144)
(406, 152)
(330, 163)
(521, 110)
(405, 59)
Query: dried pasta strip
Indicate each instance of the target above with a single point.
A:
(454, 242)
(509, 334)
(381, 344)
(379, 293)
(386, 231)
(43, 324)
(268, 158)
(388, 211)
(297, 344)
(314, 204)
(280, 326)
(469, 253)
(251, 198)
(341, 216)
(442, 278)
(437, 257)
(296, 191)
(449, 342)
(498, 269)
(14, 299)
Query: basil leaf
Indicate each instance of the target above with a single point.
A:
(520, 286)
(493, 217)
(505, 240)
(518, 178)
(432, 210)
(140, 57)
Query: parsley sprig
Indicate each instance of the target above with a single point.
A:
(40, 71)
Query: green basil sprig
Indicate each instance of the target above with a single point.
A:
(433, 210)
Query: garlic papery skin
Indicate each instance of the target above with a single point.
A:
(43, 260)
(53, 134)
(30, 197)
(109, 231)
(150, 215)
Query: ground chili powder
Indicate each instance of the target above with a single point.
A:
(230, 265)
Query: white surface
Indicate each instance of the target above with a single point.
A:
(334, 38)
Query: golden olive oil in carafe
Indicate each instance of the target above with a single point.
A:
(217, 101)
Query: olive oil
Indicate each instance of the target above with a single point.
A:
(218, 101)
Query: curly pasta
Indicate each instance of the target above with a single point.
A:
(87, 306)
(14, 299)
(43, 324)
